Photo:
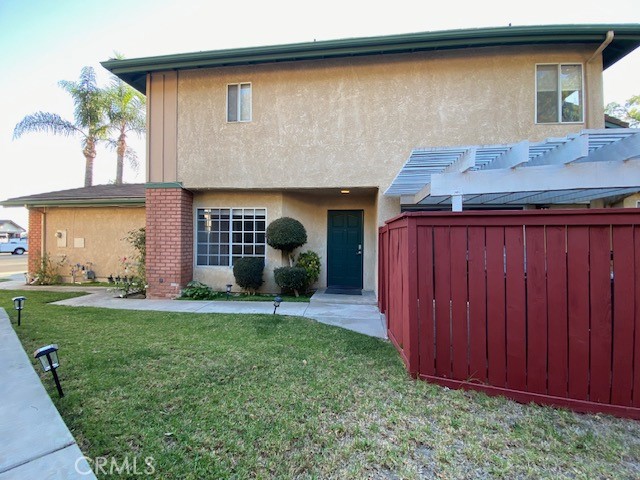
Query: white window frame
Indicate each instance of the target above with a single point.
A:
(239, 104)
(231, 242)
(584, 94)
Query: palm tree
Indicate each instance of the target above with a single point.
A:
(89, 118)
(127, 114)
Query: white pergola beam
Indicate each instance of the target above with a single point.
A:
(422, 194)
(465, 162)
(516, 155)
(534, 179)
(456, 203)
(623, 149)
(575, 148)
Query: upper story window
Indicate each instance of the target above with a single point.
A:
(239, 102)
(226, 234)
(559, 93)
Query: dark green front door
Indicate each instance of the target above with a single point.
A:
(344, 249)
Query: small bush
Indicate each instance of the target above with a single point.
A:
(286, 234)
(138, 240)
(48, 272)
(291, 279)
(198, 291)
(248, 273)
(310, 261)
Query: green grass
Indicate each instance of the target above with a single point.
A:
(268, 396)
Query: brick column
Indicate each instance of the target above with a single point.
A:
(169, 231)
(35, 241)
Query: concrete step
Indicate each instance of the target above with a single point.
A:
(368, 297)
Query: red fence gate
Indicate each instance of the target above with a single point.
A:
(538, 306)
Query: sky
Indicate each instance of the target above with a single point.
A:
(44, 41)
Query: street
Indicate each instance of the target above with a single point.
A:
(12, 264)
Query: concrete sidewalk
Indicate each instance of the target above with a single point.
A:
(35, 443)
(357, 313)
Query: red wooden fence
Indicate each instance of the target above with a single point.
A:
(539, 306)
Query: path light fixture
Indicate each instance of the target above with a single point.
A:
(276, 304)
(228, 290)
(18, 304)
(48, 357)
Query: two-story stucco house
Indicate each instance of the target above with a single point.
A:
(318, 131)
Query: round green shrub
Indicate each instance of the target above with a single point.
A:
(291, 279)
(286, 234)
(248, 273)
(310, 261)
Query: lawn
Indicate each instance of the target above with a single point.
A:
(264, 396)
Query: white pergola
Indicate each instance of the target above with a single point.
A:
(590, 165)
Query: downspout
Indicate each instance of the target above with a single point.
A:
(43, 236)
(607, 40)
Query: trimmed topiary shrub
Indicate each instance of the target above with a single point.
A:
(291, 279)
(310, 261)
(248, 273)
(286, 234)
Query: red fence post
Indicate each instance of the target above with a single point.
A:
(425, 300)
(411, 330)
(382, 272)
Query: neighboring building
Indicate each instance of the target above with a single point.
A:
(613, 122)
(85, 226)
(10, 229)
(318, 131)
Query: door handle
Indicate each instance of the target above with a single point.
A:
(359, 252)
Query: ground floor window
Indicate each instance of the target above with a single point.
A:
(226, 234)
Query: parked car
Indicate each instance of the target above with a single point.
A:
(15, 246)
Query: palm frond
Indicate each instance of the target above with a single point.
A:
(45, 122)
(90, 102)
(111, 143)
(132, 158)
(127, 108)
(117, 56)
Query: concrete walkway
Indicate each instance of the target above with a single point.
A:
(35, 443)
(357, 313)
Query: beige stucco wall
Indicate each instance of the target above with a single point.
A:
(101, 228)
(629, 202)
(353, 122)
(310, 208)
(345, 123)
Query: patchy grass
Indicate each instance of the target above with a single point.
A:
(268, 396)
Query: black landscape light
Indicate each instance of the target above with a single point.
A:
(18, 304)
(276, 304)
(228, 290)
(48, 357)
